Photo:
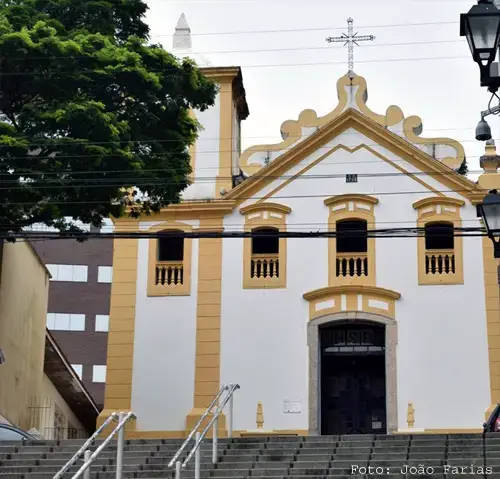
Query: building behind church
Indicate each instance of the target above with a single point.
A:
(353, 333)
(39, 390)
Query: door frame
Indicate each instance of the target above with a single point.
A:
(313, 342)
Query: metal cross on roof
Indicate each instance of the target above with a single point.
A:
(350, 40)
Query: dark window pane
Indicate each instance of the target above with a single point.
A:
(352, 236)
(269, 243)
(171, 249)
(439, 236)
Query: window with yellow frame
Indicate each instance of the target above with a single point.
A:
(264, 255)
(440, 252)
(169, 266)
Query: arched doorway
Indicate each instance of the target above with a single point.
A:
(352, 378)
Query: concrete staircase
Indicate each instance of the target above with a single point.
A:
(458, 456)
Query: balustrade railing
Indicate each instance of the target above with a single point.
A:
(265, 266)
(440, 262)
(169, 273)
(352, 264)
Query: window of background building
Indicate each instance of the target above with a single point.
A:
(99, 374)
(65, 322)
(104, 274)
(78, 368)
(68, 272)
(102, 323)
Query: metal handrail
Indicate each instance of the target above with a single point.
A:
(88, 442)
(198, 424)
(124, 418)
(232, 389)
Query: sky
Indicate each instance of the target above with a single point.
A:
(418, 60)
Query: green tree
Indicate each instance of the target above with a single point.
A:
(89, 108)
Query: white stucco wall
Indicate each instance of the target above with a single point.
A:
(207, 153)
(164, 350)
(442, 356)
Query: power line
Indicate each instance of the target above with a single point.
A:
(111, 182)
(278, 197)
(259, 50)
(322, 29)
(284, 65)
(55, 156)
(49, 142)
(291, 224)
(381, 233)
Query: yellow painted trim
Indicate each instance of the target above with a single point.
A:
(358, 297)
(440, 200)
(162, 290)
(183, 211)
(221, 73)
(355, 206)
(224, 181)
(492, 306)
(436, 210)
(258, 207)
(291, 130)
(120, 353)
(412, 128)
(351, 197)
(379, 135)
(208, 325)
(262, 215)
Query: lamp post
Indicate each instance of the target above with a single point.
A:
(489, 211)
(481, 27)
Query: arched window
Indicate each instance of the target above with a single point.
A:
(439, 235)
(265, 253)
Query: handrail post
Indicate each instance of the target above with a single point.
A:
(214, 442)
(178, 470)
(198, 424)
(87, 444)
(197, 459)
(230, 417)
(86, 457)
(120, 442)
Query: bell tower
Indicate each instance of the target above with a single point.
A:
(218, 147)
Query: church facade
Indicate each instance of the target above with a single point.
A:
(357, 333)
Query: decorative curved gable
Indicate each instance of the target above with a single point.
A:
(353, 93)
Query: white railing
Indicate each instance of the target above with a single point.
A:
(214, 422)
(87, 444)
(90, 457)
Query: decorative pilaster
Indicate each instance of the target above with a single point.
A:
(490, 162)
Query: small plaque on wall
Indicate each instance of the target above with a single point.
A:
(351, 178)
(292, 407)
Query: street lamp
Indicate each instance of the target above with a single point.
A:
(489, 211)
(481, 27)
